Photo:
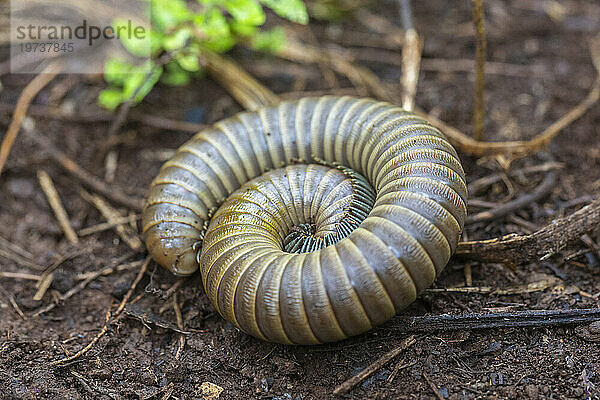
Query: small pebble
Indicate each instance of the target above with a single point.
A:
(120, 289)
(27, 303)
(20, 187)
(63, 281)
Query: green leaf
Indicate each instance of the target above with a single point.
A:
(166, 14)
(140, 83)
(212, 23)
(220, 45)
(243, 29)
(174, 75)
(217, 35)
(247, 12)
(136, 42)
(110, 98)
(116, 71)
(177, 40)
(294, 10)
(156, 39)
(189, 61)
(272, 41)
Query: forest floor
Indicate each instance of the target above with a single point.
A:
(540, 68)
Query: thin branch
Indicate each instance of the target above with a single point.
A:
(540, 245)
(243, 87)
(516, 319)
(517, 148)
(448, 65)
(541, 191)
(358, 75)
(179, 318)
(89, 277)
(528, 288)
(480, 50)
(19, 259)
(36, 110)
(108, 320)
(478, 185)
(130, 219)
(411, 57)
(57, 206)
(19, 275)
(87, 179)
(27, 96)
(125, 232)
(16, 249)
(341, 62)
(372, 368)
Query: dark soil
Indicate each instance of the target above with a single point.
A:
(137, 361)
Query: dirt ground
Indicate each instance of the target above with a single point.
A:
(133, 360)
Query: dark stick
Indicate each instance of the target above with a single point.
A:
(544, 189)
(380, 362)
(521, 249)
(517, 319)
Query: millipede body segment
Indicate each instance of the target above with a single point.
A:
(311, 221)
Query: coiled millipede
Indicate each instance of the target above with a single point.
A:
(334, 213)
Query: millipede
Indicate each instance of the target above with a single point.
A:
(313, 220)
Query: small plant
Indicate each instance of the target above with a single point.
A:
(181, 31)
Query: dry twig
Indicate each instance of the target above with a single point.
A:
(88, 346)
(179, 318)
(130, 219)
(381, 25)
(480, 50)
(19, 275)
(478, 185)
(371, 369)
(517, 148)
(57, 206)
(43, 285)
(243, 87)
(516, 319)
(154, 121)
(27, 96)
(87, 179)
(125, 232)
(362, 78)
(411, 58)
(16, 249)
(521, 148)
(108, 320)
(541, 191)
(528, 288)
(19, 260)
(540, 245)
(13, 303)
(447, 65)
(85, 280)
